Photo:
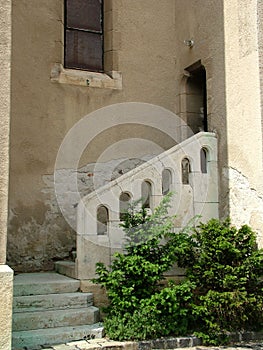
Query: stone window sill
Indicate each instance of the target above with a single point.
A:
(111, 80)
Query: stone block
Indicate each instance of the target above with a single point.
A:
(195, 341)
(159, 344)
(65, 347)
(205, 185)
(6, 292)
(206, 210)
(171, 343)
(145, 345)
(66, 268)
(43, 283)
(55, 318)
(97, 341)
(100, 298)
(248, 336)
(29, 303)
(235, 337)
(111, 60)
(183, 342)
(90, 250)
(130, 345)
(108, 5)
(83, 344)
(48, 336)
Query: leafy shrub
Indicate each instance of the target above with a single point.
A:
(221, 291)
(226, 270)
(164, 313)
(139, 308)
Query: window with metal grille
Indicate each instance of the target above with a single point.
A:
(84, 35)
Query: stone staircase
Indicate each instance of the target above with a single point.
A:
(189, 170)
(191, 174)
(48, 309)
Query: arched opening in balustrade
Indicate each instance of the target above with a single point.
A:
(203, 160)
(186, 169)
(166, 181)
(146, 194)
(124, 203)
(102, 220)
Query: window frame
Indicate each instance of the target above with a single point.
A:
(111, 77)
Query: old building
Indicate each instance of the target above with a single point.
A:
(97, 90)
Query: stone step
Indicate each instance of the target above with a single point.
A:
(67, 268)
(44, 283)
(49, 309)
(56, 318)
(36, 339)
(63, 301)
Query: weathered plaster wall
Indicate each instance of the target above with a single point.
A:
(246, 202)
(257, 217)
(260, 50)
(6, 306)
(243, 109)
(43, 111)
(6, 274)
(243, 90)
(5, 56)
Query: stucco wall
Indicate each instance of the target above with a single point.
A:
(260, 48)
(43, 111)
(6, 274)
(145, 44)
(244, 133)
(6, 306)
(5, 55)
(243, 106)
(205, 26)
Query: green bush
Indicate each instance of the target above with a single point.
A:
(139, 307)
(163, 313)
(226, 270)
(221, 291)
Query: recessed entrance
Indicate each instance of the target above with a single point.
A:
(196, 98)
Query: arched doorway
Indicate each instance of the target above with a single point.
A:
(196, 97)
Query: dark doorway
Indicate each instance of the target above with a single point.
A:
(196, 98)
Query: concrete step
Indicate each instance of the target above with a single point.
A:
(49, 309)
(55, 318)
(63, 301)
(44, 283)
(36, 339)
(67, 268)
